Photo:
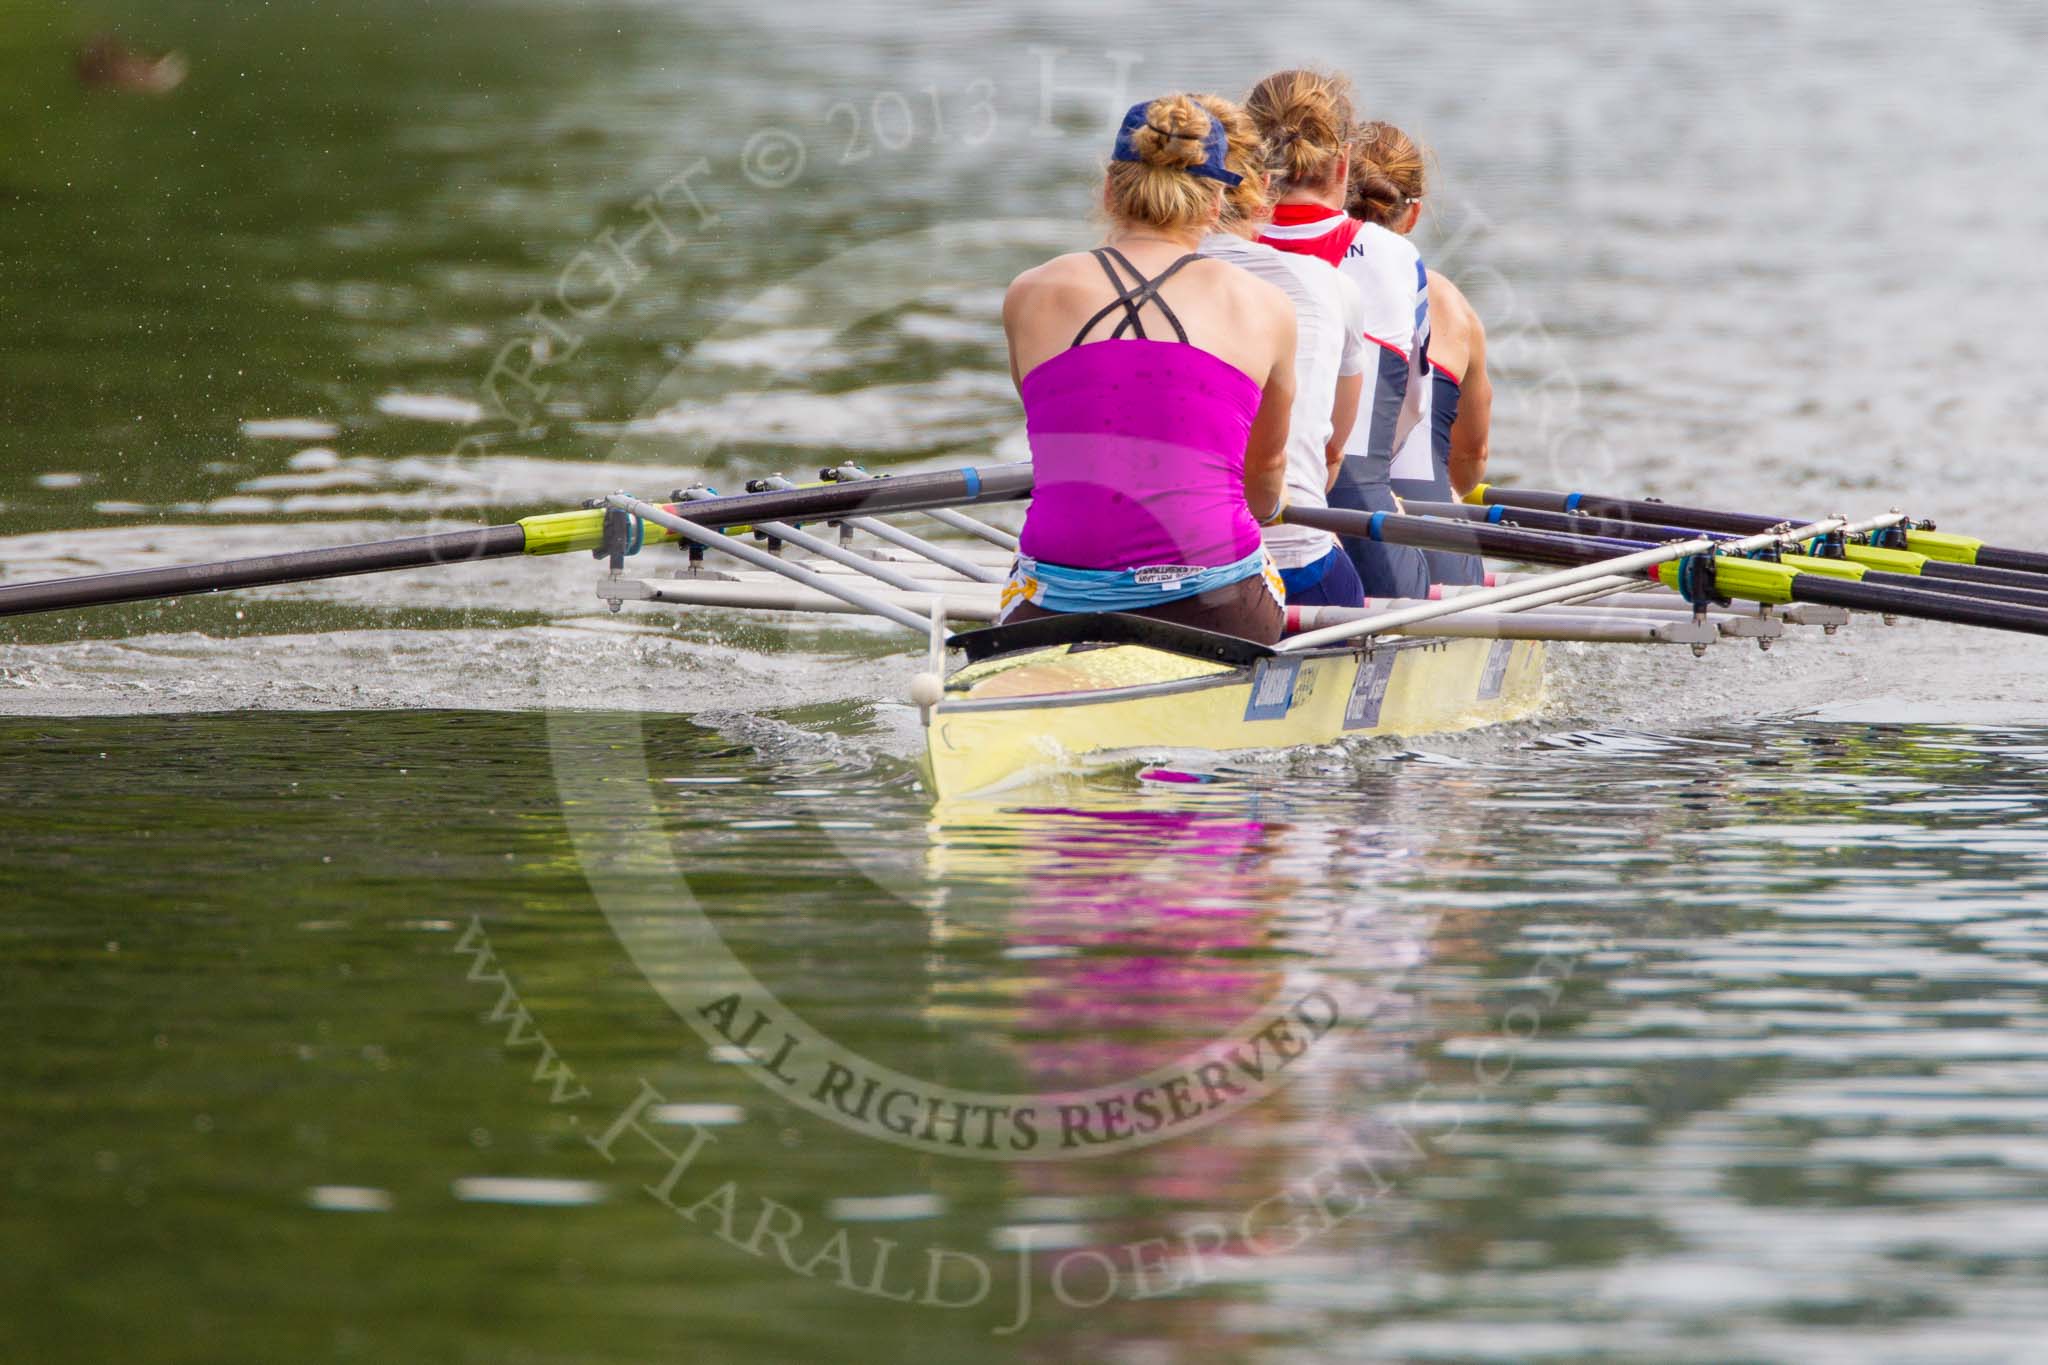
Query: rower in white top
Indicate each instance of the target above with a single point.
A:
(1330, 360)
(1444, 457)
(1307, 121)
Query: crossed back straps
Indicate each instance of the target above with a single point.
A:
(1133, 296)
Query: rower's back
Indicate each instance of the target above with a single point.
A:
(1138, 424)
(1200, 302)
(1156, 385)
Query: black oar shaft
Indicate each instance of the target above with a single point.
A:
(1710, 519)
(1532, 519)
(1935, 576)
(1632, 509)
(1978, 573)
(2022, 561)
(895, 493)
(1916, 602)
(1945, 587)
(890, 493)
(186, 580)
(1544, 547)
(1658, 521)
(1502, 542)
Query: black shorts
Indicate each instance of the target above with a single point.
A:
(1245, 609)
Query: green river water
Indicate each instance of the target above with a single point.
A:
(369, 950)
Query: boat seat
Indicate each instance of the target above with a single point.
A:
(1081, 628)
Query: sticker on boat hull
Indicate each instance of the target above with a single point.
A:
(1496, 669)
(1272, 689)
(1369, 692)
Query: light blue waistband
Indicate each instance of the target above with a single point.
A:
(1059, 588)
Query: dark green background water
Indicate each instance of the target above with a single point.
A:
(1777, 1081)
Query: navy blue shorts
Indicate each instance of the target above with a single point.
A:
(1329, 582)
(1383, 570)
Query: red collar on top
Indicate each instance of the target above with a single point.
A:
(1329, 245)
(1294, 215)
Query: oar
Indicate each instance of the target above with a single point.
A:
(1599, 567)
(1750, 580)
(1857, 563)
(1936, 545)
(550, 533)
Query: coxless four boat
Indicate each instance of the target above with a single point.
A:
(1001, 704)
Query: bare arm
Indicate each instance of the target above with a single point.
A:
(1472, 433)
(1343, 417)
(1265, 451)
(1016, 301)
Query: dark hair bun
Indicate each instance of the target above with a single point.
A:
(1373, 197)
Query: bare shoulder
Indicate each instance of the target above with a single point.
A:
(1047, 275)
(1047, 290)
(1448, 304)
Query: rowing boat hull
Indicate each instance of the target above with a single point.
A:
(1011, 719)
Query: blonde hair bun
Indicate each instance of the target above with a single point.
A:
(1166, 180)
(1306, 118)
(1174, 134)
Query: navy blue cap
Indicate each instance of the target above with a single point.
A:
(1215, 146)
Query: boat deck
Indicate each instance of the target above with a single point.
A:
(1071, 709)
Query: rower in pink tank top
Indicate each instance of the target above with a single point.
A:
(1146, 449)
(1125, 479)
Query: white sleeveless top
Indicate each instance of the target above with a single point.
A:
(1393, 288)
(1329, 345)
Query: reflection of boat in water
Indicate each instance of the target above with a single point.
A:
(1139, 929)
(1133, 929)
(1159, 928)
(1137, 933)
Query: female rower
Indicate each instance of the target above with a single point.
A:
(1448, 458)
(1156, 460)
(1329, 365)
(1307, 121)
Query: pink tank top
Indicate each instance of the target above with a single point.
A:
(1137, 448)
